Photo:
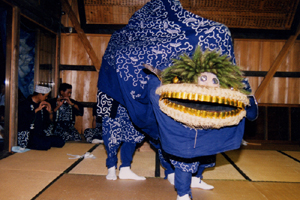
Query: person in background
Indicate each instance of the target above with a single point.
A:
(94, 134)
(64, 111)
(35, 122)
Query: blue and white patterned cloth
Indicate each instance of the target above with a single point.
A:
(120, 129)
(104, 104)
(159, 31)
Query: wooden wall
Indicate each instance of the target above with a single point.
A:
(84, 82)
(251, 55)
(46, 60)
(258, 55)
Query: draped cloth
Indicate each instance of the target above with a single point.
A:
(159, 31)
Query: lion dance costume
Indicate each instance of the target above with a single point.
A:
(175, 73)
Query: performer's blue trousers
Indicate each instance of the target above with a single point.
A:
(182, 179)
(168, 166)
(183, 182)
(127, 150)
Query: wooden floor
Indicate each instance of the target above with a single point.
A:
(255, 171)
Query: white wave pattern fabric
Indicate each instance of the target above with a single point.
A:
(157, 39)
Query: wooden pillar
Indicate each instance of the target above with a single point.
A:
(56, 67)
(11, 80)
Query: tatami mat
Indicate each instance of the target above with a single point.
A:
(222, 171)
(24, 175)
(265, 165)
(23, 184)
(278, 191)
(79, 187)
(294, 154)
(144, 165)
(97, 187)
(44, 175)
(92, 166)
(54, 160)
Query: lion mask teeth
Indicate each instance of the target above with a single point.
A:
(202, 106)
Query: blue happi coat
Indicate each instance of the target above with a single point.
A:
(159, 31)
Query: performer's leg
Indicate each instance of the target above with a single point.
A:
(182, 184)
(127, 151)
(183, 177)
(112, 138)
(199, 173)
(111, 160)
(169, 169)
(111, 147)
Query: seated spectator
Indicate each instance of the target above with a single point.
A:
(64, 111)
(94, 134)
(35, 122)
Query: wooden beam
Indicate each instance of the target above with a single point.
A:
(87, 45)
(11, 79)
(56, 66)
(284, 51)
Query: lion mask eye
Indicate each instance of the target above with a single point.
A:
(215, 81)
(208, 79)
(203, 78)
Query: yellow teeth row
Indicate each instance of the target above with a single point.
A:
(202, 113)
(203, 98)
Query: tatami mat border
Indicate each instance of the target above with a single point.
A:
(236, 167)
(295, 159)
(65, 172)
(96, 145)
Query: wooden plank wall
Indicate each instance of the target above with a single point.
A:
(258, 55)
(84, 82)
(46, 58)
(251, 55)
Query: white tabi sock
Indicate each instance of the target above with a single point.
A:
(111, 175)
(184, 197)
(198, 183)
(126, 173)
(171, 178)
